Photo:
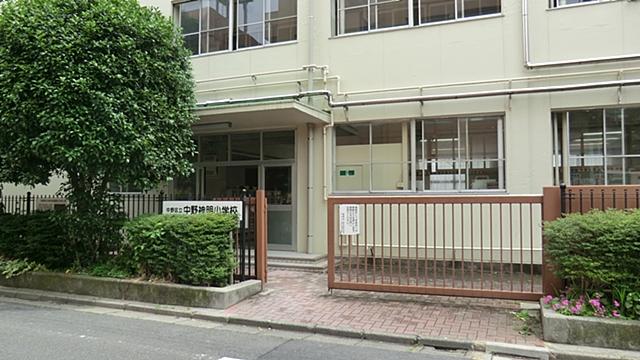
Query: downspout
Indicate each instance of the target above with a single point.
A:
(310, 188)
(310, 129)
(531, 65)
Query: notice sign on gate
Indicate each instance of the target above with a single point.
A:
(349, 220)
(202, 207)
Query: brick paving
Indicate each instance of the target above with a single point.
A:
(302, 297)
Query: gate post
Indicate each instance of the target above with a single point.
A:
(28, 207)
(551, 210)
(261, 236)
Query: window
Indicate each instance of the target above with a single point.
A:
(451, 154)
(602, 146)
(443, 10)
(460, 154)
(254, 146)
(365, 15)
(221, 25)
(559, 3)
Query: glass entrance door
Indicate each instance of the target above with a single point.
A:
(278, 185)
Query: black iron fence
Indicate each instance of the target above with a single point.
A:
(139, 204)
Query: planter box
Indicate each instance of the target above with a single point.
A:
(166, 294)
(590, 331)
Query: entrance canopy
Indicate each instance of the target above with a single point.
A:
(280, 113)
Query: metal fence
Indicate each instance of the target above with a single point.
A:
(482, 246)
(581, 199)
(249, 249)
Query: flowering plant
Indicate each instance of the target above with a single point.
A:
(595, 304)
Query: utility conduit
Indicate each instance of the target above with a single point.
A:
(425, 98)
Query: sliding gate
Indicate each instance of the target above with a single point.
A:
(482, 246)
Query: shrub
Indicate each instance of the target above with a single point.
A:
(12, 268)
(40, 237)
(599, 250)
(194, 250)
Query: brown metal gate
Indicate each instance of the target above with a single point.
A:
(481, 246)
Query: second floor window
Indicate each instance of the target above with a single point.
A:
(221, 25)
(365, 15)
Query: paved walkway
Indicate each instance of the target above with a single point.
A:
(301, 297)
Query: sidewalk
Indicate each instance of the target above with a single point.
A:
(302, 297)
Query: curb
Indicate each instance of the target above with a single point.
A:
(437, 343)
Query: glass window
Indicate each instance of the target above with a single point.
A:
(442, 10)
(245, 147)
(214, 148)
(208, 25)
(557, 3)
(460, 154)
(365, 15)
(603, 146)
(278, 145)
(452, 154)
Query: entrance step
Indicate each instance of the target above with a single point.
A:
(296, 261)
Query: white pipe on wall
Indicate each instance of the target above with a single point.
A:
(425, 98)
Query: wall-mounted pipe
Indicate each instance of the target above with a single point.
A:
(425, 98)
(531, 65)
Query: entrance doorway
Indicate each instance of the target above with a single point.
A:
(229, 164)
(278, 181)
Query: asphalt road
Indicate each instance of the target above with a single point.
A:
(30, 330)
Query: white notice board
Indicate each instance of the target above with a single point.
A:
(349, 219)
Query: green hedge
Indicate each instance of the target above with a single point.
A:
(40, 237)
(599, 250)
(194, 249)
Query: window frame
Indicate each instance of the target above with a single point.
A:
(233, 26)
(414, 16)
(553, 4)
(562, 158)
(412, 161)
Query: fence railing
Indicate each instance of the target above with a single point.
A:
(249, 240)
(484, 246)
(581, 199)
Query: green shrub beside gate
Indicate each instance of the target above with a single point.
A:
(194, 249)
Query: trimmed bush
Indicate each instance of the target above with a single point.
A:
(599, 250)
(40, 237)
(193, 250)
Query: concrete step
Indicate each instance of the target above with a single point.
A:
(297, 261)
(573, 352)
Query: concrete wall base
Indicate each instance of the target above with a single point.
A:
(588, 331)
(167, 294)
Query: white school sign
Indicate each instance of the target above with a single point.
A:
(202, 207)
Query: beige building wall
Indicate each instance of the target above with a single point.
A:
(431, 59)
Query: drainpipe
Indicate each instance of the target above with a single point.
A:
(531, 65)
(310, 142)
(325, 159)
(310, 188)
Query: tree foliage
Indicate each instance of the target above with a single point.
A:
(96, 90)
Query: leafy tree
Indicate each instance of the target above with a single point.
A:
(99, 91)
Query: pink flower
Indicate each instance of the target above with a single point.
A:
(575, 310)
(615, 314)
(616, 303)
(564, 302)
(595, 303)
(547, 299)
